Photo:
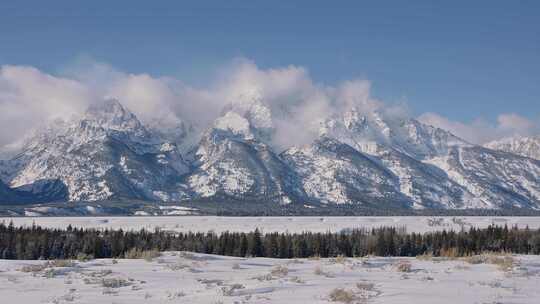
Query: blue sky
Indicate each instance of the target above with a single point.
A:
(460, 59)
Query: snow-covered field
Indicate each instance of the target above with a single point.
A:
(197, 278)
(275, 224)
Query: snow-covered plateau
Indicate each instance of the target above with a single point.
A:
(182, 277)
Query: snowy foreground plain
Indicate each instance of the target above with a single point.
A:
(275, 224)
(197, 278)
(180, 277)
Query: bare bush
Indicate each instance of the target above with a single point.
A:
(319, 271)
(297, 280)
(229, 291)
(404, 266)
(61, 263)
(341, 295)
(83, 257)
(340, 259)
(178, 266)
(504, 262)
(147, 255)
(175, 295)
(100, 273)
(264, 277)
(210, 282)
(280, 271)
(114, 282)
(34, 268)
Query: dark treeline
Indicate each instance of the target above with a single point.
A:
(39, 243)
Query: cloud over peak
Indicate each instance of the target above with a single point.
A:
(297, 104)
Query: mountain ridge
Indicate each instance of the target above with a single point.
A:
(366, 159)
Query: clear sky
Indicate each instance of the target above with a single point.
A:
(461, 59)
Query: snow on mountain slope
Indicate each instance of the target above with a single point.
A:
(231, 161)
(369, 159)
(524, 146)
(425, 185)
(407, 136)
(496, 179)
(334, 172)
(106, 153)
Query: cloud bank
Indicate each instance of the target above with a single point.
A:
(29, 98)
(480, 131)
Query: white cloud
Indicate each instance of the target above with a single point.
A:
(480, 131)
(514, 123)
(29, 97)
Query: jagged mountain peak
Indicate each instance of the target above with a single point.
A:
(372, 159)
(111, 115)
(407, 135)
(106, 152)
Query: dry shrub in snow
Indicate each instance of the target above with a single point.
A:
(503, 261)
(365, 286)
(61, 263)
(264, 277)
(280, 271)
(428, 256)
(50, 273)
(297, 280)
(462, 267)
(109, 291)
(46, 267)
(404, 266)
(114, 283)
(187, 255)
(147, 255)
(450, 253)
(319, 271)
(340, 259)
(366, 291)
(83, 257)
(295, 261)
(229, 291)
(34, 268)
(210, 282)
(100, 274)
(178, 266)
(341, 295)
(69, 297)
(175, 295)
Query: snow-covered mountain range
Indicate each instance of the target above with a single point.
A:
(357, 158)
